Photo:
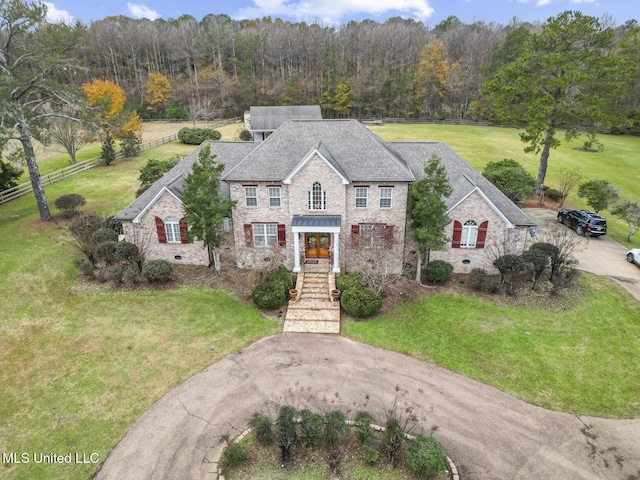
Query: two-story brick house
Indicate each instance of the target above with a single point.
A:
(327, 189)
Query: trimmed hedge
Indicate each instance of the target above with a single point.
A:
(195, 136)
(361, 302)
(68, 204)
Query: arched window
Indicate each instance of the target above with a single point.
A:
(469, 234)
(172, 229)
(317, 197)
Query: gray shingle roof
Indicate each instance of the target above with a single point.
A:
(462, 177)
(229, 153)
(270, 118)
(357, 152)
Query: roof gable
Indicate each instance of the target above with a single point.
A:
(325, 155)
(357, 153)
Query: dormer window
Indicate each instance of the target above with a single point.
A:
(317, 197)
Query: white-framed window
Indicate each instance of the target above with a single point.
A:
(265, 234)
(469, 234)
(386, 196)
(317, 197)
(362, 195)
(172, 229)
(274, 197)
(251, 196)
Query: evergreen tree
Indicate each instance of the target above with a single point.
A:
(427, 210)
(108, 155)
(204, 207)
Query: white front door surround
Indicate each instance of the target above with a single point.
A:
(302, 224)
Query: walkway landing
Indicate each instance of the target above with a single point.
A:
(313, 311)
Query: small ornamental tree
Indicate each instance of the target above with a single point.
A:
(427, 210)
(629, 211)
(599, 194)
(130, 145)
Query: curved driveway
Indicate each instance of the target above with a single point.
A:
(489, 435)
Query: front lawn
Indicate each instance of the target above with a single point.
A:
(581, 359)
(79, 363)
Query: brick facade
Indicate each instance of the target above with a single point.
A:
(146, 232)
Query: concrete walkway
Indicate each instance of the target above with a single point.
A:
(489, 435)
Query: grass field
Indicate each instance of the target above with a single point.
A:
(618, 162)
(79, 363)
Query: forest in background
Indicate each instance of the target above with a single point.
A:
(218, 67)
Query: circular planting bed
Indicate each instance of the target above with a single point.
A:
(309, 446)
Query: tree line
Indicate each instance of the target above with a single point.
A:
(397, 68)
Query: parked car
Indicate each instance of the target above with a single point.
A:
(583, 222)
(633, 256)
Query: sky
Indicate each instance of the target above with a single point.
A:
(336, 12)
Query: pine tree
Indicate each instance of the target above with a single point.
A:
(108, 155)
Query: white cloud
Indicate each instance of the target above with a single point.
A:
(332, 11)
(583, 1)
(542, 3)
(55, 15)
(138, 10)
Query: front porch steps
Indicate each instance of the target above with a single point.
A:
(314, 311)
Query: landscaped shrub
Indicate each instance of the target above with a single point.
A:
(363, 421)
(115, 273)
(334, 426)
(130, 274)
(233, 455)
(195, 136)
(310, 428)
(269, 295)
(246, 135)
(263, 428)
(286, 432)
(347, 281)
(102, 235)
(360, 302)
(106, 252)
(85, 267)
(127, 252)
(478, 279)
(438, 271)
(157, 271)
(553, 194)
(68, 204)
(283, 276)
(426, 457)
(393, 440)
(82, 228)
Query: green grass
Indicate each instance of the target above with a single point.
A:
(581, 359)
(78, 365)
(618, 162)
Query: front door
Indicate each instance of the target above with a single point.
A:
(317, 245)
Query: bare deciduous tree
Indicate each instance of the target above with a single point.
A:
(569, 179)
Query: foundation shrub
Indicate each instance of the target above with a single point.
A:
(263, 428)
(347, 281)
(438, 271)
(310, 428)
(157, 271)
(360, 302)
(269, 295)
(233, 455)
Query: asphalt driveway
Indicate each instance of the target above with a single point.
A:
(599, 255)
(490, 435)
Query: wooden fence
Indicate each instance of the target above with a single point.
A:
(51, 178)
